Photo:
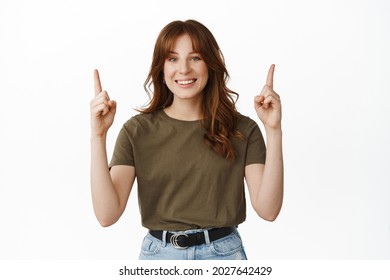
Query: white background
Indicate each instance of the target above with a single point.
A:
(332, 72)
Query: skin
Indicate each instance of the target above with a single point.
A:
(265, 182)
(184, 64)
(111, 189)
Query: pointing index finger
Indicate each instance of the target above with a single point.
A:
(98, 86)
(270, 76)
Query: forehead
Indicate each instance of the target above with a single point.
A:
(182, 44)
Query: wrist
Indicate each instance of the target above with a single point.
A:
(273, 130)
(98, 137)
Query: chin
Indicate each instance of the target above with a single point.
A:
(187, 95)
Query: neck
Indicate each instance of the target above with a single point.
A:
(185, 110)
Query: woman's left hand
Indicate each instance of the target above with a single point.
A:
(267, 104)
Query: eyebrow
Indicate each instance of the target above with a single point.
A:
(172, 52)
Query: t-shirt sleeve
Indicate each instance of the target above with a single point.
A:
(123, 150)
(256, 150)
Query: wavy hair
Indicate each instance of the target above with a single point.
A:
(220, 116)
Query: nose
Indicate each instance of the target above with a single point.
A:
(184, 67)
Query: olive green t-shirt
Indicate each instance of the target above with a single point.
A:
(182, 183)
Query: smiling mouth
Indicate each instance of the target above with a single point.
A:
(185, 82)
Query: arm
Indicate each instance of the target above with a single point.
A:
(265, 182)
(110, 189)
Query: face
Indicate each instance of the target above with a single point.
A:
(185, 72)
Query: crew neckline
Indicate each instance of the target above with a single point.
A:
(178, 120)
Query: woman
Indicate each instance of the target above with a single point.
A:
(190, 151)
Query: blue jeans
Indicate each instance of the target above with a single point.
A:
(227, 248)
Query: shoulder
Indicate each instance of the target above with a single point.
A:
(142, 119)
(142, 123)
(245, 124)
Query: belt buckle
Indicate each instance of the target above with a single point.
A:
(174, 241)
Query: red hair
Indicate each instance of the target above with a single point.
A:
(220, 116)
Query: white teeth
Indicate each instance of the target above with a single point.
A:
(185, 82)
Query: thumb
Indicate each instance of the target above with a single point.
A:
(259, 99)
(112, 104)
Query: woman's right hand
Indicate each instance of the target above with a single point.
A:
(102, 110)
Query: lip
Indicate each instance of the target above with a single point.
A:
(186, 85)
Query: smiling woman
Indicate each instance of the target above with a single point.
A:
(190, 151)
(186, 75)
(192, 47)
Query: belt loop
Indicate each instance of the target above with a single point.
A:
(206, 237)
(164, 238)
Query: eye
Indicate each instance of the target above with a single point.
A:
(172, 59)
(195, 58)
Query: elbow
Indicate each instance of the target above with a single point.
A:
(268, 215)
(106, 217)
(270, 218)
(106, 221)
(268, 211)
